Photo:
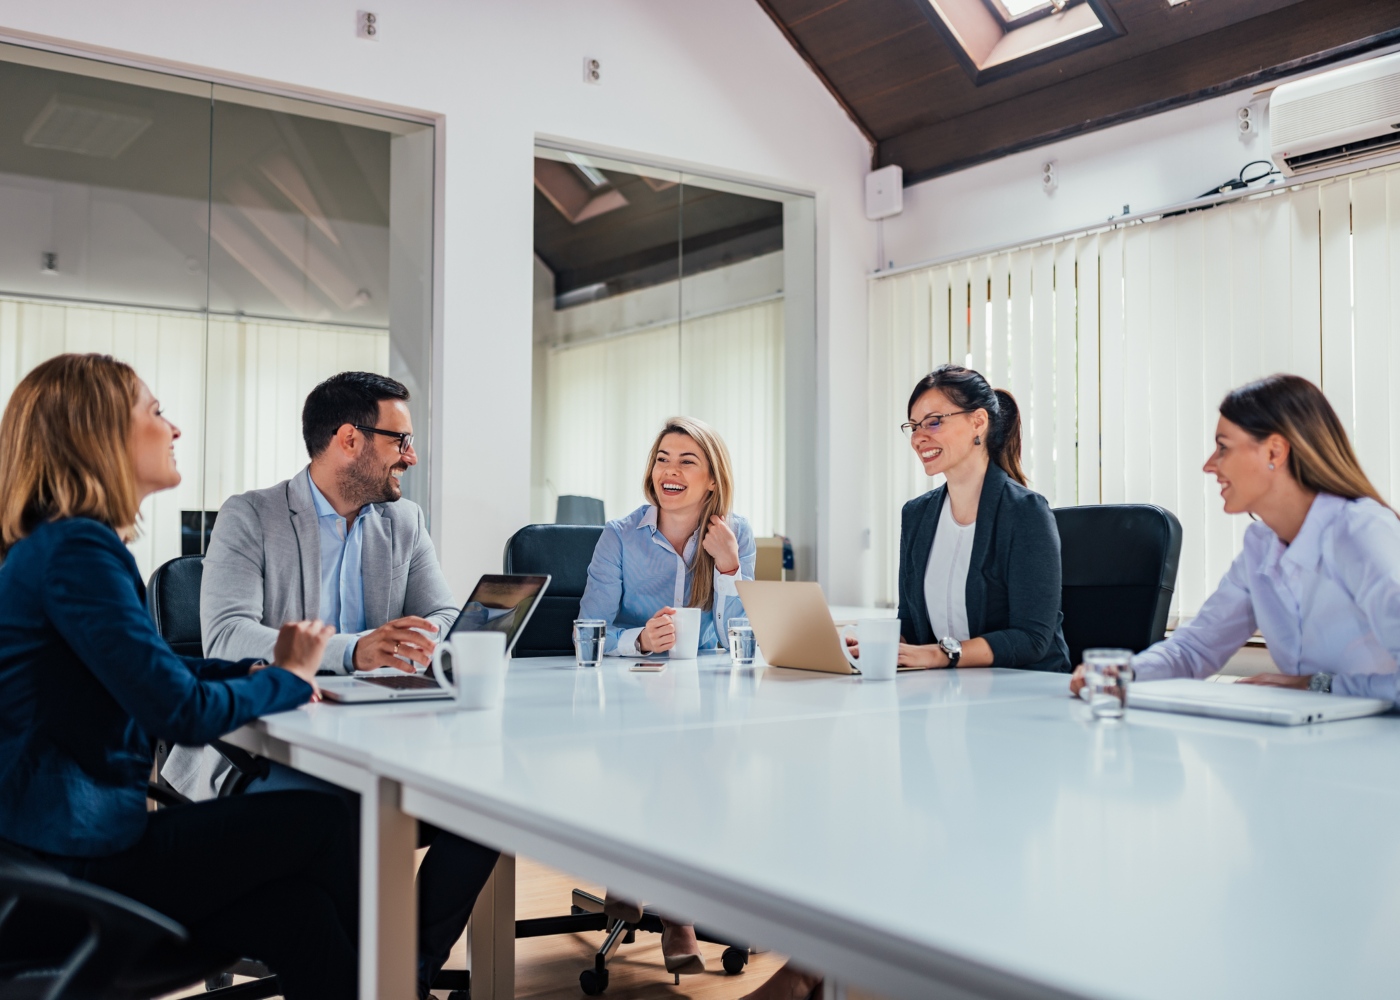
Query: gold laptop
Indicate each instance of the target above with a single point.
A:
(793, 626)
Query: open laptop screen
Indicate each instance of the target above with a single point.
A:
(501, 603)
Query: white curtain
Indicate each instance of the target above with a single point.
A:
(607, 399)
(1120, 344)
(257, 377)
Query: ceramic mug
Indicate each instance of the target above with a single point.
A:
(472, 665)
(687, 621)
(879, 648)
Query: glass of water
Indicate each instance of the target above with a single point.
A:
(589, 635)
(1107, 674)
(741, 642)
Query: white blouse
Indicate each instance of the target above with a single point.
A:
(945, 577)
(1328, 603)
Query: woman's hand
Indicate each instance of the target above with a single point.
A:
(659, 635)
(720, 543)
(299, 648)
(852, 644)
(1076, 681)
(1299, 681)
(926, 657)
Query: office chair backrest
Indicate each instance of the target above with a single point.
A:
(564, 552)
(1119, 566)
(173, 596)
(578, 510)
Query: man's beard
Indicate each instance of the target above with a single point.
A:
(368, 482)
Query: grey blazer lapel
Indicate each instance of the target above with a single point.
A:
(376, 566)
(308, 533)
(993, 485)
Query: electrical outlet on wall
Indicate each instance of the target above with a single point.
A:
(592, 70)
(1049, 176)
(367, 24)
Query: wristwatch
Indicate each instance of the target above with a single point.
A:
(1321, 682)
(952, 647)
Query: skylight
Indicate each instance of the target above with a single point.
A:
(1018, 7)
(995, 38)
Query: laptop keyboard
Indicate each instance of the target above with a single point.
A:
(405, 683)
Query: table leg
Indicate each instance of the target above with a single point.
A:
(491, 935)
(388, 907)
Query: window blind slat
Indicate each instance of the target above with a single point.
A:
(1089, 378)
(1065, 406)
(1040, 400)
(999, 343)
(979, 276)
(1020, 359)
(1137, 330)
(1337, 371)
(1305, 269)
(1191, 405)
(1111, 364)
(1371, 325)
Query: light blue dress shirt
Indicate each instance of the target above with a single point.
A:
(342, 583)
(1328, 603)
(635, 573)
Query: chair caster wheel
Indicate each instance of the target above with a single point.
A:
(734, 960)
(593, 981)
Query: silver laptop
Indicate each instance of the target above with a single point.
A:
(499, 603)
(1250, 702)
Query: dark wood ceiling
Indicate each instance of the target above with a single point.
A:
(898, 80)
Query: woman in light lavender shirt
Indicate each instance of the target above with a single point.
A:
(1319, 574)
(683, 548)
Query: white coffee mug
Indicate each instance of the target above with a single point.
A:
(687, 622)
(472, 665)
(879, 648)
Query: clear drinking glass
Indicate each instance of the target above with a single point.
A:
(589, 634)
(741, 642)
(1107, 674)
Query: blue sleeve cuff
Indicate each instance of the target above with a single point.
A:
(349, 662)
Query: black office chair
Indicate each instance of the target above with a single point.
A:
(1119, 564)
(578, 510)
(65, 939)
(564, 552)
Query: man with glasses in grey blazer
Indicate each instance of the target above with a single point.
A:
(338, 542)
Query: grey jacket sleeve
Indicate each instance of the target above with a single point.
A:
(427, 594)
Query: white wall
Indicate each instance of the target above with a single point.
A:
(1145, 164)
(711, 83)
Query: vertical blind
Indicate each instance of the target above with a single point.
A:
(608, 398)
(258, 375)
(1119, 345)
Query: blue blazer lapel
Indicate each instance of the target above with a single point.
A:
(376, 567)
(987, 503)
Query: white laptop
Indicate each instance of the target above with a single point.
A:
(1250, 702)
(499, 603)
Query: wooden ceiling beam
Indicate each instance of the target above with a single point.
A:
(1248, 53)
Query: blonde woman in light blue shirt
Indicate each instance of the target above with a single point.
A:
(1319, 573)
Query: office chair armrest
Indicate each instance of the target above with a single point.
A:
(164, 796)
(246, 767)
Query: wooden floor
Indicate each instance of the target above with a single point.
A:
(548, 968)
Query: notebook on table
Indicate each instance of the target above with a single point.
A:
(1250, 702)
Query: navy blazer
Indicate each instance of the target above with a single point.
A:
(1013, 581)
(85, 680)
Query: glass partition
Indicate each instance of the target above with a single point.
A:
(233, 246)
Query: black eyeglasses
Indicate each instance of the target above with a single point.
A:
(930, 423)
(405, 440)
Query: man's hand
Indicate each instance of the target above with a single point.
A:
(1300, 681)
(660, 632)
(299, 648)
(395, 642)
(720, 543)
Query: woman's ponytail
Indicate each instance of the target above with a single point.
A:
(1004, 440)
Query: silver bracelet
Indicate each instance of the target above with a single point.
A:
(1321, 682)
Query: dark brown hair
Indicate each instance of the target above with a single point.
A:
(968, 390)
(64, 448)
(1320, 455)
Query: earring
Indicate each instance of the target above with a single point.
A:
(977, 439)
(1271, 466)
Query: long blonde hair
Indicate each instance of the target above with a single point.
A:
(64, 446)
(702, 580)
(1320, 455)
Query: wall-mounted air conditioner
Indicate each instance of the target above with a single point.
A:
(1335, 117)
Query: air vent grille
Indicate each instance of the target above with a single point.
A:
(86, 126)
(1343, 108)
(1344, 153)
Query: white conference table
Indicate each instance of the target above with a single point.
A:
(951, 833)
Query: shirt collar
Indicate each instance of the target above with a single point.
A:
(1306, 549)
(648, 520)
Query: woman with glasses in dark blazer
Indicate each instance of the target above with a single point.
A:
(979, 557)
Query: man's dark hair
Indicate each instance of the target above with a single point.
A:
(347, 398)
